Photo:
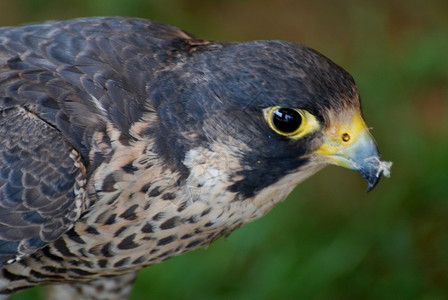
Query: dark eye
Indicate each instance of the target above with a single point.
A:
(286, 120)
(291, 122)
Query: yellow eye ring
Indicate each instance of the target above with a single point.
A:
(290, 122)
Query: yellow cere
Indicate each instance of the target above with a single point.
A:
(309, 123)
(342, 135)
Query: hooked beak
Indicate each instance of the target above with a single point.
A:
(364, 157)
(353, 147)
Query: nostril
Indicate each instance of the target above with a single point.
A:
(346, 137)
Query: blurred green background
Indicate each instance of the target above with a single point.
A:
(328, 240)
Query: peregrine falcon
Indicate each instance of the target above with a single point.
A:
(124, 142)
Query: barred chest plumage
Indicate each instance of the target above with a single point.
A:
(145, 213)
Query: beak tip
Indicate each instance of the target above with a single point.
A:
(372, 183)
(373, 174)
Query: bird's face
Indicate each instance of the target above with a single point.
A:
(342, 138)
(278, 112)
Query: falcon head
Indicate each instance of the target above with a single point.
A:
(272, 113)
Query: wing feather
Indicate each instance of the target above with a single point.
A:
(40, 184)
